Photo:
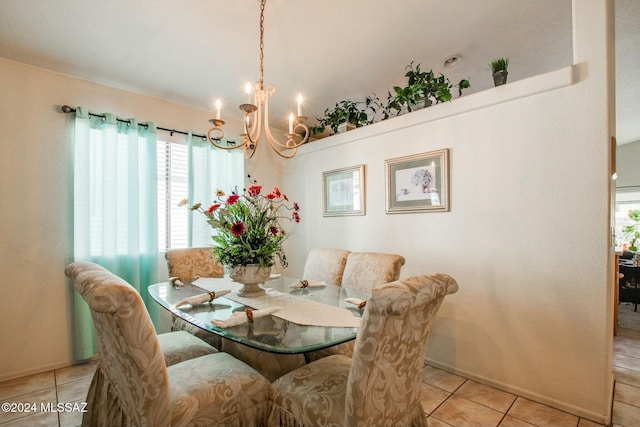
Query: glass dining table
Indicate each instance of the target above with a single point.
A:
(271, 333)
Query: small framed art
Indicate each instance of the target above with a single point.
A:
(418, 183)
(344, 191)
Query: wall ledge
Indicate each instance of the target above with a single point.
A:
(546, 82)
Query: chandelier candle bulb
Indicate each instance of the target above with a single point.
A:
(247, 90)
(299, 104)
(291, 123)
(218, 107)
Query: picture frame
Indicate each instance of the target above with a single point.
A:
(344, 191)
(418, 183)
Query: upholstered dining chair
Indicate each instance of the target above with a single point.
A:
(380, 385)
(176, 347)
(132, 385)
(363, 271)
(188, 264)
(325, 265)
(629, 285)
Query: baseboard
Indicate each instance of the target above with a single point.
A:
(41, 369)
(527, 394)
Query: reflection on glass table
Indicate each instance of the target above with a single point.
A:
(271, 333)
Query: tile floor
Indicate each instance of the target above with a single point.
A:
(449, 400)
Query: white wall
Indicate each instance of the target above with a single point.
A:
(35, 298)
(527, 237)
(628, 165)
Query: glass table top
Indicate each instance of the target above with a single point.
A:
(269, 333)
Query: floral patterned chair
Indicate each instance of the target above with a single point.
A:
(175, 346)
(325, 265)
(132, 385)
(188, 264)
(381, 385)
(363, 271)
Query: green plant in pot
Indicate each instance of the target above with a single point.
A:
(415, 94)
(344, 112)
(423, 89)
(632, 231)
(382, 109)
(499, 68)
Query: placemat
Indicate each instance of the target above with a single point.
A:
(293, 309)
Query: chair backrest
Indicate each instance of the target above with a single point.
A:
(384, 381)
(130, 353)
(325, 265)
(189, 263)
(365, 270)
(629, 284)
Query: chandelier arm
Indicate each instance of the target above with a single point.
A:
(250, 145)
(280, 152)
(249, 148)
(223, 147)
(291, 142)
(257, 117)
(215, 140)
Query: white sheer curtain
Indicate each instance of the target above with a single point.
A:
(210, 169)
(114, 183)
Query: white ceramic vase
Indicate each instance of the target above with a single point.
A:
(251, 276)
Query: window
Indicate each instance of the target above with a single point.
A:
(172, 187)
(627, 198)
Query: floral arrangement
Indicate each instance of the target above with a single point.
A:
(248, 227)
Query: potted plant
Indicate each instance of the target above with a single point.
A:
(415, 94)
(248, 235)
(632, 231)
(381, 109)
(344, 116)
(423, 89)
(499, 68)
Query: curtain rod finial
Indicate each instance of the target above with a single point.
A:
(67, 109)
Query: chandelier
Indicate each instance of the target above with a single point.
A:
(256, 117)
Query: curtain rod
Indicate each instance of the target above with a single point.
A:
(67, 109)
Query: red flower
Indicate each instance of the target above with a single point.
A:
(285, 197)
(254, 190)
(276, 191)
(232, 199)
(214, 207)
(295, 216)
(238, 228)
(296, 206)
(274, 230)
(271, 196)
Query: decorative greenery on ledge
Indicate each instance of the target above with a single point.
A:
(423, 89)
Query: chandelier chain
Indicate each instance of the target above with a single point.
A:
(262, 3)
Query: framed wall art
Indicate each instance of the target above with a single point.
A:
(344, 191)
(418, 183)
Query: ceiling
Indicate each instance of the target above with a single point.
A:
(194, 51)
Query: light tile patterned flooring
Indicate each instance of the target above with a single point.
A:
(449, 400)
